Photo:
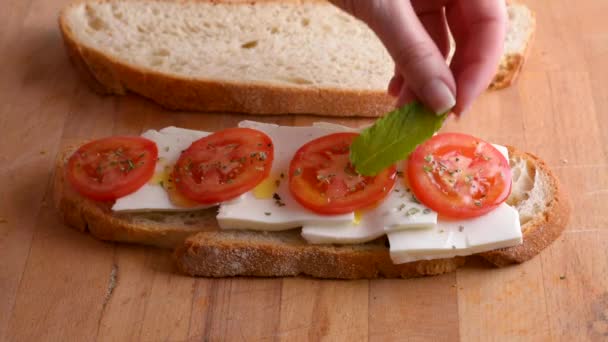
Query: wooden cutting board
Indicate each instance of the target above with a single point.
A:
(60, 285)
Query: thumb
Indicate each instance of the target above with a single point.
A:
(417, 57)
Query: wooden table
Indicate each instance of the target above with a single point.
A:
(61, 285)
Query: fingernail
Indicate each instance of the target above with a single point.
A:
(438, 96)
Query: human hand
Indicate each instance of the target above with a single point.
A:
(415, 33)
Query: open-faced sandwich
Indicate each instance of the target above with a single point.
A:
(267, 200)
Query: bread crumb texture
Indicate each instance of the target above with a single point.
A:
(238, 42)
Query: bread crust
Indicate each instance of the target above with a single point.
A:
(209, 255)
(511, 64)
(204, 250)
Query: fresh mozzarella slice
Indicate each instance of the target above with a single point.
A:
(150, 197)
(171, 141)
(271, 214)
(278, 210)
(398, 211)
(345, 233)
(496, 229)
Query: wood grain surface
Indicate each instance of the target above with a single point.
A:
(60, 285)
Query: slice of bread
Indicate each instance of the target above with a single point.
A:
(202, 249)
(520, 32)
(262, 57)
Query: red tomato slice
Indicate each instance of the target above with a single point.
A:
(224, 165)
(322, 179)
(458, 175)
(109, 168)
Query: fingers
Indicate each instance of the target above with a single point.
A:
(419, 60)
(395, 84)
(419, 42)
(432, 17)
(479, 28)
(405, 96)
(436, 25)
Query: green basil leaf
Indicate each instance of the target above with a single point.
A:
(393, 138)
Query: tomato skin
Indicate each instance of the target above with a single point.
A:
(322, 179)
(458, 175)
(110, 168)
(224, 165)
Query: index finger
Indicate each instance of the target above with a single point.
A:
(479, 28)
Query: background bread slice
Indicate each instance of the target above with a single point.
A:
(204, 250)
(262, 57)
(520, 32)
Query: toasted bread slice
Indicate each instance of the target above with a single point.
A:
(260, 57)
(203, 249)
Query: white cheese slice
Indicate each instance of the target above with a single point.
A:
(270, 214)
(170, 141)
(253, 213)
(345, 233)
(496, 229)
(398, 211)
